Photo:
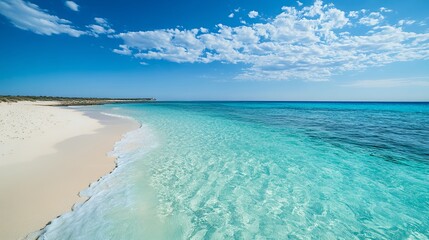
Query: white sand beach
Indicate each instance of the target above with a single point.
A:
(47, 155)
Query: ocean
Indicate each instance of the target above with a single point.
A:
(261, 170)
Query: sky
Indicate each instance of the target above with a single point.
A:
(366, 50)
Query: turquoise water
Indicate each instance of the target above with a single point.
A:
(261, 170)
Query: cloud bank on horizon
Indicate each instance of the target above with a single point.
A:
(310, 43)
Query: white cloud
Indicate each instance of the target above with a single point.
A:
(383, 9)
(353, 14)
(390, 83)
(253, 14)
(124, 50)
(29, 16)
(172, 45)
(372, 19)
(100, 21)
(72, 5)
(422, 23)
(97, 30)
(299, 3)
(101, 27)
(231, 15)
(405, 22)
(310, 44)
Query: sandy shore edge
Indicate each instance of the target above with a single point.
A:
(42, 183)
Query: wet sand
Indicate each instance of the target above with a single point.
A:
(41, 174)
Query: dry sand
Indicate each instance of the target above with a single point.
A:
(47, 155)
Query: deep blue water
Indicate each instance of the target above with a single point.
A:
(262, 170)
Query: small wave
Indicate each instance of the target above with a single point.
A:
(116, 115)
(140, 141)
(101, 196)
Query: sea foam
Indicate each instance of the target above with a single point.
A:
(223, 170)
(88, 218)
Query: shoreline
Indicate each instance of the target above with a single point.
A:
(73, 101)
(36, 191)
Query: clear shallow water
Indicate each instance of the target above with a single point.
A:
(233, 170)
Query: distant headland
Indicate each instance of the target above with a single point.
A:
(74, 101)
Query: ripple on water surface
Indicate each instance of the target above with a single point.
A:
(262, 170)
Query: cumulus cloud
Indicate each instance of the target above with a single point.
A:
(405, 22)
(72, 5)
(173, 44)
(313, 43)
(123, 50)
(372, 19)
(101, 27)
(383, 9)
(96, 30)
(231, 15)
(253, 14)
(101, 21)
(299, 3)
(29, 16)
(353, 14)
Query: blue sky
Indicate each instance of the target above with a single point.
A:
(216, 50)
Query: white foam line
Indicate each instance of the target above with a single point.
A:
(117, 115)
(131, 141)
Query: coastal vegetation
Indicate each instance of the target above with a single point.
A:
(71, 101)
